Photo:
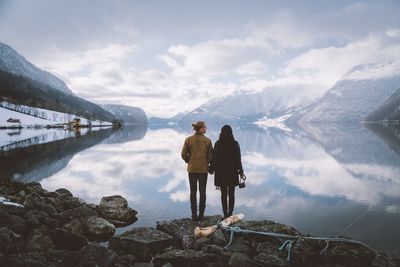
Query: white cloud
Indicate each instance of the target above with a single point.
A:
(327, 65)
(251, 68)
(215, 57)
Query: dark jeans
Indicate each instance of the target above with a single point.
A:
(225, 190)
(202, 179)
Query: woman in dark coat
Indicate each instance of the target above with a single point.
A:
(226, 163)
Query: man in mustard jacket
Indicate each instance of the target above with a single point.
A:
(196, 152)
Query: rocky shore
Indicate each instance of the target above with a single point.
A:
(42, 228)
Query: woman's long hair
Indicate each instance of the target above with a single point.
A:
(226, 135)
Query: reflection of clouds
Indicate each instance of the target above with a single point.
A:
(319, 174)
(289, 180)
(106, 169)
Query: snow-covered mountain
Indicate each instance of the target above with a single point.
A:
(389, 111)
(272, 102)
(130, 115)
(14, 63)
(356, 95)
(24, 84)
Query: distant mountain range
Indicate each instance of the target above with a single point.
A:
(366, 92)
(23, 83)
(356, 95)
(130, 115)
(272, 102)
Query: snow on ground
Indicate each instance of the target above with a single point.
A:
(26, 120)
(33, 120)
(5, 201)
(274, 123)
(31, 116)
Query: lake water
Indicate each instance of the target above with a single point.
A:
(326, 180)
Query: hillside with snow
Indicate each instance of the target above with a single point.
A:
(356, 95)
(11, 61)
(37, 117)
(271, 103)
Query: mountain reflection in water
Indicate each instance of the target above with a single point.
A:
(318, 180)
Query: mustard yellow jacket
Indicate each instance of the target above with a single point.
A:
(197, 152)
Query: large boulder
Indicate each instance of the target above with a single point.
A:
(99, 229)
(115, 209)
(141, 242)
(188, 257)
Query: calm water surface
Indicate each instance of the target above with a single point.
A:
(327, 180)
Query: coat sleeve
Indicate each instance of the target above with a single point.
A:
(213, 158)
(209, 151)
(185, 154)
(239, 159)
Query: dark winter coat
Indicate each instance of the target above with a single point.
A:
(226, 162)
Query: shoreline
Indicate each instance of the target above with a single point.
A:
(42, 228)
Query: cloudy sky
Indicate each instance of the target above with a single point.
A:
(171, 56)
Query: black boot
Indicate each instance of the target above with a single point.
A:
(194, 214)
(201, 214)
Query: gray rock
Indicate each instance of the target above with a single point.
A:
(76, 226)
(35, 218)
(64, 239)
(38, 241)
(114, 202)
(70, 202)
(33, 201)
(240, 244)
(185, 227)
(99, 229)
(96, 255)
(63, 191)
(10, 242)
(141, 242)
(213, 249)
(218, 238)
(266, 259)
(115, 209)
(199, 242)
(75, 213)
(125, 260)
(188, 257)
(13, 222)
(49, 209)
(55, 258)
(239, 259)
